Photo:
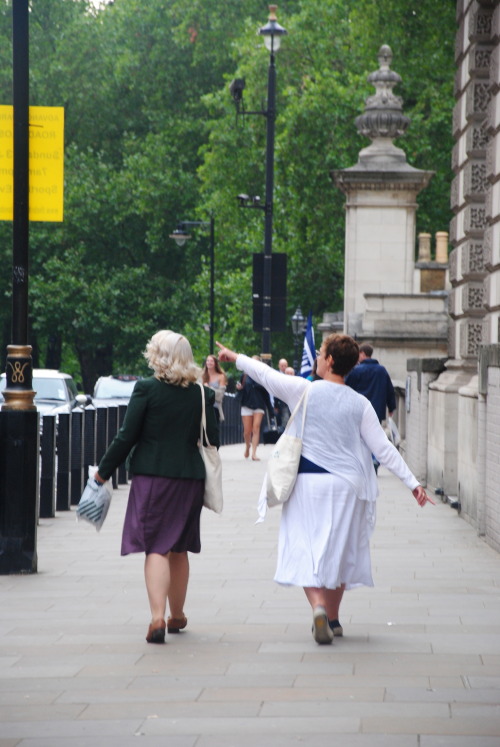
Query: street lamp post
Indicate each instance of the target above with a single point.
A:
(19, 444)
(298, 330)
(180, 236)
(272, 33)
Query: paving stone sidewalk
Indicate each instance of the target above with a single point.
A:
(419, 665)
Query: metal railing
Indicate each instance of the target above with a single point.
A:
(71, 442)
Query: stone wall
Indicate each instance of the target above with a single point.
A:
(421, 372)
(458, 459)
(442, 447)
(491, 333)
(470, 186)
(488, 519)
(405, 326)
(467, 446)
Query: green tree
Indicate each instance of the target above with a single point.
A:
(322, 69)
(152, 138)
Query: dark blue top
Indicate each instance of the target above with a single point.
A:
(305, 465)
(254, 395)
(373, 380)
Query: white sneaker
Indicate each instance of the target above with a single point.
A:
(322, 633)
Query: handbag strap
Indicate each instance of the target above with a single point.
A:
(203, 421)
(303, 400)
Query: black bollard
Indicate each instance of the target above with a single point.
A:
(48, 469)
(76, 456)
(63, 462)
(89, 440)
(19, 447)
(101, 433)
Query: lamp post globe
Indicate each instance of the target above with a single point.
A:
(179, 235)
(272, 31)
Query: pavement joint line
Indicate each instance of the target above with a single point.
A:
(419, 664)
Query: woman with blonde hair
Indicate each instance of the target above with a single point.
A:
(213, 376)
(161, 432)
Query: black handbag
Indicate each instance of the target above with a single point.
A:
(271, 431)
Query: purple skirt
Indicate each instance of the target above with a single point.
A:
(163, 514)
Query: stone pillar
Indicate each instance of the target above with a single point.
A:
(442, 247)
(381, 202)
(424, 247)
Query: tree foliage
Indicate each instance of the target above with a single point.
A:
(152, 138)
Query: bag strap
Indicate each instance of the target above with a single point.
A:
(303, 400)
(203, 422)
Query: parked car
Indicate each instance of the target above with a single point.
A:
(55, 392)
(114, 390)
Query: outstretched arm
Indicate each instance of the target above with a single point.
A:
(287, 388)
(374, 437)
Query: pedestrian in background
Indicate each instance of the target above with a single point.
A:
(254, 403)
(281, 410)
(162, 429)
(213, 376)
(372, 380)
(326, 524)
(313, 376)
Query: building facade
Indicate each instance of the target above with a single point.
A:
(436, 325)
(459, 414)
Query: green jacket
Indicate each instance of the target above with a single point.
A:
(162, 426)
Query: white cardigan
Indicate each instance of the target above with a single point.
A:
(341, 429)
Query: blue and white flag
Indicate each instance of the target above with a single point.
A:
(309, 352)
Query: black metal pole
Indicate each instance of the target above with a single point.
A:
(212, 283)
(19, 436)
(20, 34)
(296, 350)
(268, 225)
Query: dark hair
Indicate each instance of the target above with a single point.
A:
(367, 349)
(344, 351)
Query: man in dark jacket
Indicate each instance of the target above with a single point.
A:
(373, 380)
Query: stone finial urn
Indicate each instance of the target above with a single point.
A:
(383, 118)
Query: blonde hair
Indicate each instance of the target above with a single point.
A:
(171, 358)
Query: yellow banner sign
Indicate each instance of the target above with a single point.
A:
(46, 163)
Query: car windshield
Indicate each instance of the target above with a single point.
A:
(109, 388)
(50, 389)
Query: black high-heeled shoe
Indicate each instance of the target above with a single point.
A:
(156, 632)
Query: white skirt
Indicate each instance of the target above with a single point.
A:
(324, 537)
